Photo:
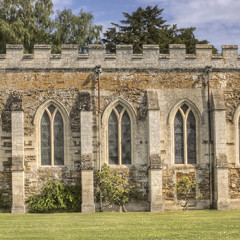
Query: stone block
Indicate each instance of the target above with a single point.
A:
(203, 52)
(88, 205)
(177, 51)
(230, 51)
(155, 190)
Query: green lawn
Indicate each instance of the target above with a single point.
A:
(204, 224)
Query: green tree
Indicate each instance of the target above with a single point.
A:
(26, 22)
(115, 188)
(29, 22)
(75, 29)
(186, 188)
(146, 26)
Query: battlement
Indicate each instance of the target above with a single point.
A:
(123, 59)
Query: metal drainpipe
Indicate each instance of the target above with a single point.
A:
(208, 70)
(98, 71)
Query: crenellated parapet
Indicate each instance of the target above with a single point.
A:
(123, 59)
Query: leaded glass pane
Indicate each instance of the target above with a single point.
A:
(178, 139)
(184, 108)
(191, 138)
(51, 109)
(126, 138)
(58, 140)
(119, 108)
(45, 140)
(113, 138)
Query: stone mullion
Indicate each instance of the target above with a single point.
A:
(185, 137)
(119, 143)
(52, 137)
(51, 117)
(120, 137)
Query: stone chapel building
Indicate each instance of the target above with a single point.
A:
(160, 116)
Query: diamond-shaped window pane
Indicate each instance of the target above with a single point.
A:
(45, 140)
(113, 139)
(58, 140)
(126, 138)
(178, 139)
(191, 138)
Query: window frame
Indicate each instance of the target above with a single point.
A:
(119, 140)
(191, 107)
(51, 117)
(104, 132)
(66, 133)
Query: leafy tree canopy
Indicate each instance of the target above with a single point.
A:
(25, 22)
(115, 188)
(30, 22)
(146, 26)
(75, 29)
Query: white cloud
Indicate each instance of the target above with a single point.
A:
(215, 20)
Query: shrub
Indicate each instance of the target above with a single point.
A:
(115, 188)
(55, 197)
(187, 187)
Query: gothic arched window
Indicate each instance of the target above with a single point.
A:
(52, 137)
(119, 136)
(185, 136)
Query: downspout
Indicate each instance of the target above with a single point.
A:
(208, 70)
(98, 71)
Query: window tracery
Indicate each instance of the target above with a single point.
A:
(185, 136)
(119, 136)
(52, 137)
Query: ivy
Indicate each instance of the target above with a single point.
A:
(55, 197)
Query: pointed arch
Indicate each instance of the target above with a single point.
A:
(118, 121)
(181, 102)
(47, 103)
(52, 128)
(184, 120)
(123, 102)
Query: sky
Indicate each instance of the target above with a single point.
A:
(217, 21)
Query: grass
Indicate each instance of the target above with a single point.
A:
(205, 224)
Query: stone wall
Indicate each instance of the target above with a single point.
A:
(150, 85)
(6, 186)
(234, 183)
(35, 179)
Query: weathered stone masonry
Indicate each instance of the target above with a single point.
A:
(152, 87)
